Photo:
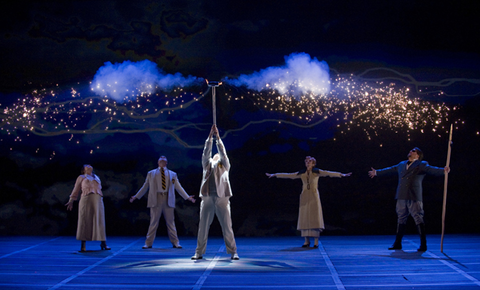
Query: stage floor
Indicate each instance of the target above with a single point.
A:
(340, 262)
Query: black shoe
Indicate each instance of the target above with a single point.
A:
(103, 246)
(146, 247)
(235, 256)
(423, 238)
(177, 246)
(395, 247)
(306, 245)
(197, 257)
(423, 248)
(315, 246)
(83, 247)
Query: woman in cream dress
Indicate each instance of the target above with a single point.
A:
(91, 211)
(310, 216)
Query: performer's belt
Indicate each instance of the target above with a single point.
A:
(163, 193)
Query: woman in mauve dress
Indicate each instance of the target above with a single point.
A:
(91, 212)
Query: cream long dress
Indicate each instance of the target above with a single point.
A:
(310, 215)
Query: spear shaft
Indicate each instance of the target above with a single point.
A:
(214, 107)
(213, 85)
(445, 187)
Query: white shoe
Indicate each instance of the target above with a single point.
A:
(197, 257)
(235, 256)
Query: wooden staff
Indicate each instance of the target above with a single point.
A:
(445, 187)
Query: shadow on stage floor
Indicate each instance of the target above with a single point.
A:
(342, 262)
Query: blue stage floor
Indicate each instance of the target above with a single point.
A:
(340, 262)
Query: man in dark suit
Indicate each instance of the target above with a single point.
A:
(409, 193)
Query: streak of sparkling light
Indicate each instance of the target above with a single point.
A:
(371, 106)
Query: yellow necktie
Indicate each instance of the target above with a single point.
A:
(164, 183)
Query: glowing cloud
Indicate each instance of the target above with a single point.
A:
(299, 76)
(127, 80)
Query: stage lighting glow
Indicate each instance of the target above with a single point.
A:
(224, 263)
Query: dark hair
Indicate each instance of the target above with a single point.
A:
(83, 170)
(419, 152)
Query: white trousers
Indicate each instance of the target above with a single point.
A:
(168, 214)
(209, 207)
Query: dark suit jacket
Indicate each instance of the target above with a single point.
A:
(410, 180)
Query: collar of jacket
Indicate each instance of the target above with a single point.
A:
(314, 170)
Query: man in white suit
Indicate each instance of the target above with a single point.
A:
(215, 193)
(161, 184)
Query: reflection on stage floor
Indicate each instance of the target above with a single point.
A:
(340, 262)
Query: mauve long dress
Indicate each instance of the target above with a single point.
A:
(91, 211)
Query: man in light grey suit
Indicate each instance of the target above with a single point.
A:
(161, 184)
(215, 192)
(409, 193)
